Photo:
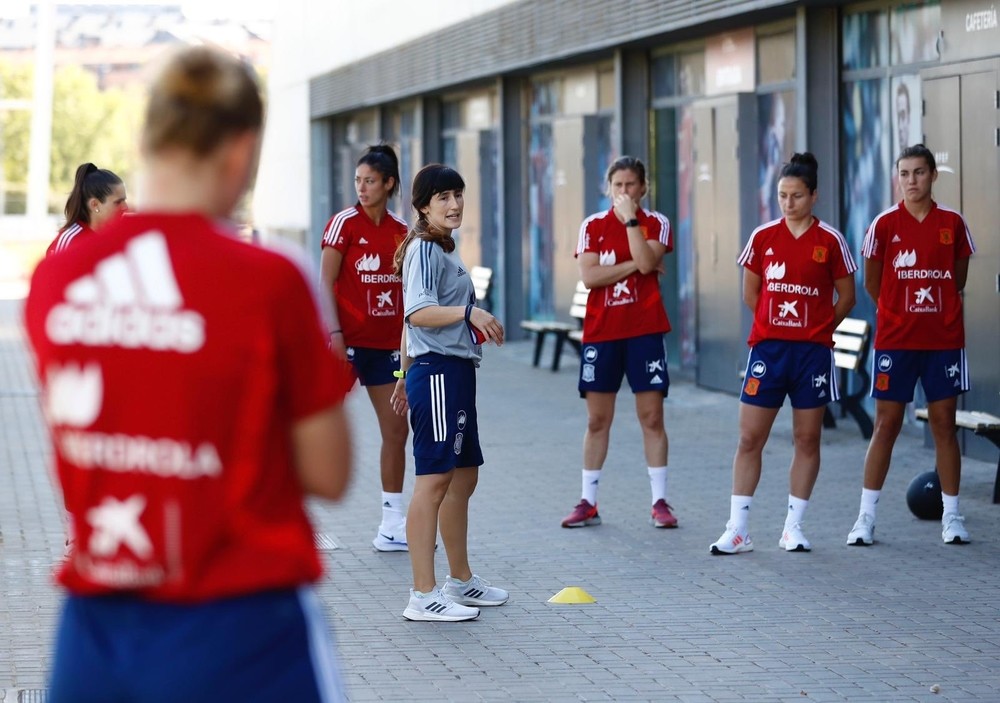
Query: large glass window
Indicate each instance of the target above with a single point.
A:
(776, 58)
(883, 50)
(776, 144)
(569, 149)
(403, 132)
(865, 40)
(678, 74)
(914, 31)
(469, 145)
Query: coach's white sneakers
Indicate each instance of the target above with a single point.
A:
(475, 591)
(436, 607)
(953, 529)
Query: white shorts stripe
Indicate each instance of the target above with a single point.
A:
(834, 386)
(966, 385)
(321, 650)
(438, 408)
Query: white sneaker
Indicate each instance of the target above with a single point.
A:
(391, 539)
(733, 541)
(475, 591)
(792, 539)
(953, 529)
(863, 532)
(436, 607)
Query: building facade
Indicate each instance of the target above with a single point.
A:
(531, 100)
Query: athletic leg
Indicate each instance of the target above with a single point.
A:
(455, 521)
(394, 430)
(429, 491)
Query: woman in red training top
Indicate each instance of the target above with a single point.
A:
(193, 402)
(98, 196)
(798, 280)
(356, 266)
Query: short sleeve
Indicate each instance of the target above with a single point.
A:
(338, 233)
(585, 237)
(312, 378)
(964, 245)
(422, 267)
(874, 243)
(841, 261)
(663, 233)
(750, 258)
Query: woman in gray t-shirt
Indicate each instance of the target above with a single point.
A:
(440, 350)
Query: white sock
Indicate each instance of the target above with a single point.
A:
(739, 511)
(950, 504)
(392, 508)
(796, 509)
(869, 501)
(658, 482)
(591, 481)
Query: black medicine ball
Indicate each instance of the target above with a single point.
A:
(923, 497)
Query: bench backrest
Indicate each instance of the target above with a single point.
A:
(850, 343)
(578, 309)
(482, 277)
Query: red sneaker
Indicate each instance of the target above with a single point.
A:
(583, 515)
(661, 516)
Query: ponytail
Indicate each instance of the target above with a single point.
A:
(89, 182)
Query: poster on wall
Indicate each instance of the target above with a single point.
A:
(907, 129)
(776, 144)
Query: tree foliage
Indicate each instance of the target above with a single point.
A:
(87, 125)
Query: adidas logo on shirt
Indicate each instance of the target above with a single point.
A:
(896, 239)
(131, 300)
(769, 252)
(362, 241)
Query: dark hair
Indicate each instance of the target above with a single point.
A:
(89, 182)
(201, 97)
(804, 167)
(918, 151)
(429, 181)
(382, 158)
(901, 89)
(629, 163)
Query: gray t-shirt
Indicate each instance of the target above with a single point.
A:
(433, 277)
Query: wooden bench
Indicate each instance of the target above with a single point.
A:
(851, 341)
(482, 279)
(562, 332)
(982, 424)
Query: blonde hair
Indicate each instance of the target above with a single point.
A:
(201, 97)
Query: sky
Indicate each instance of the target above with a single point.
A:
(194, 9)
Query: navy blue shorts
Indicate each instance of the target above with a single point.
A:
(273, 646)
(642, 359)
(441, 391)
(374, 367)
(804, 371)
(942, 373)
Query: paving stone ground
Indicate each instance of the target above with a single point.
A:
(671, 622)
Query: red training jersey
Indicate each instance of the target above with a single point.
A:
(369, 295)
(919, 305)
(797, 289)
(70, 234)
(631, 307)
(175, 360)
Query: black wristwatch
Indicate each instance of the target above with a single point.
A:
(632, 223)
